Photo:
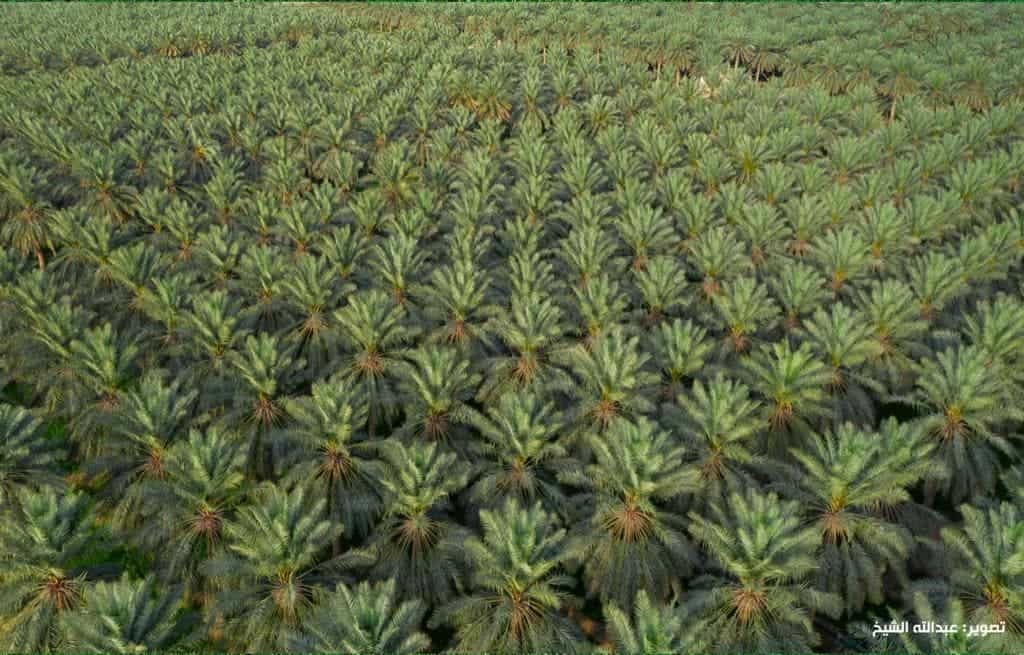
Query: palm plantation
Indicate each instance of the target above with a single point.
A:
(394, 329)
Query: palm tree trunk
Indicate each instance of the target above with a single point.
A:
(40, 259)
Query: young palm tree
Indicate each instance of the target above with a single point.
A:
(517, 587)
(368, 618)
(28, 459)
(760, 601)
(44, 537)
(987, 572)
(128, 617)
(849, 481)
(627, 540)
(651, 629)
(273, 546)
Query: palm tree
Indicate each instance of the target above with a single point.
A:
(417, 543)
(104, 361)
(262, 371)
(896, 323)
(149, 421)
(746, 309)
(964, 406)
(627, 539)
(436, 383)
(273, 547)
(24, 210)
(850, 482)
(328, 450)
(793, 384)
(201, 484)
(799, 289)
(533, 333)
(845, 339)
(760, 601)
(651, 629)
(128, 617)
(517, 588)
(520, 452)
(680, 349)
(28, 458)
(720, 424)
(612, 377)
(372, 328)
(368, 618)
(987, 568)
(43, 538)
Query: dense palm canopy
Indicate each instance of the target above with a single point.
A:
(390, 329)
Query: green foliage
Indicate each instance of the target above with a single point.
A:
(363, 619)
(392, 328)
(517, 585)
(759, 602)
(127, 617)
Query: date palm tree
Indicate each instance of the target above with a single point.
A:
(720, 424)
(652, 628)
(520, 452)
(987, 571)
(516, 587)
(327, 449)
(274, 545)
(612, 377)
(850, 482)
(372, 328)
(128, 617)
(201, 485)
(759, 599)
(627, 539)
(25, 211)
(44, 538)
(28, 459)
(793, 385)
(417, 542)
(367, 618)
(964, 405)
(436, 383)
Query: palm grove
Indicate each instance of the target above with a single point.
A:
(392, 330)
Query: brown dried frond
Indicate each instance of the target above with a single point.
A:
(782, 415)
(417, 534)
(749, 603)
(60, 592)
(436, 424)
(629, 523)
